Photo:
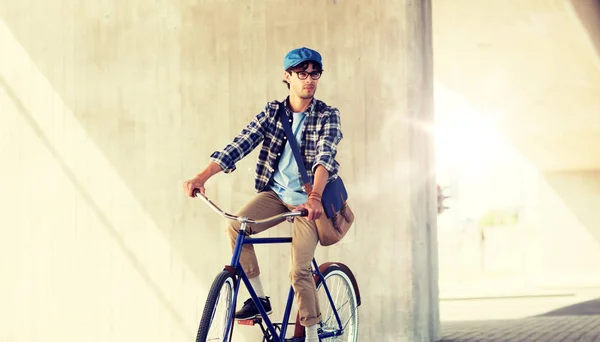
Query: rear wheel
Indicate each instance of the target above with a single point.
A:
(215, 318)
(341, 285)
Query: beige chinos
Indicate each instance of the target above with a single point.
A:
(304, 242)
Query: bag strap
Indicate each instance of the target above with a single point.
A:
(295, 148)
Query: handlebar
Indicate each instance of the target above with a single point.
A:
(210, 203)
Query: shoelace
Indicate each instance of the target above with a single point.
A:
(249, 300)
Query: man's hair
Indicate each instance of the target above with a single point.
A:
(301, 67)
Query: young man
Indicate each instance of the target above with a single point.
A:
(317, 129)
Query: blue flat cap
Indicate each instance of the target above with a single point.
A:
(301, 55)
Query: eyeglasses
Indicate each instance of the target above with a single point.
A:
(315, 75)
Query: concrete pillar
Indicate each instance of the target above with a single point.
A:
(425, 317)
(407, 216)
(108, 107)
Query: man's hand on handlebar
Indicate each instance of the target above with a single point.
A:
(314, 208)
(197, 183)
(193, 185)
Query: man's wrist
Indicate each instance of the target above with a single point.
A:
(211, 170)
(315, 196)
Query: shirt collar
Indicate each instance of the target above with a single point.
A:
(310, 110)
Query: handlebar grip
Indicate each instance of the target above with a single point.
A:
(303, 212)
(195, 192)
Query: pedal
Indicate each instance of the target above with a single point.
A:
(250, 322)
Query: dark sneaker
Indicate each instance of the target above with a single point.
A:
(249, 310)
(296, 339)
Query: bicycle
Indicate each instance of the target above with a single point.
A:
(217, 320)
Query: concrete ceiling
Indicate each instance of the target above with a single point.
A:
(532, 67)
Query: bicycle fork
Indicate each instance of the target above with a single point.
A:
(231, 268)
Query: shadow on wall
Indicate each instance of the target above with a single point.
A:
(88, 198)
(580, 192)
(126, 98)
(108, 138)
(590, 307)
(588, 12)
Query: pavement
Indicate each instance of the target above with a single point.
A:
(571, 316)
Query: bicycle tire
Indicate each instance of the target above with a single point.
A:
(350, 286)
(222, 280)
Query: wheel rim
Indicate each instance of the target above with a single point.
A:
(220, 315)
(344, 299)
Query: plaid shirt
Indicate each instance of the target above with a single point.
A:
(320, 136)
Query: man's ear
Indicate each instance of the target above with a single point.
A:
(287, 76)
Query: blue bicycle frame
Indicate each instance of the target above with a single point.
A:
(236, 267)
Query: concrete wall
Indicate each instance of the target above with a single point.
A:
(553, 244)
(530, 69)
(517, 126)
(567, 229)
(106, 108)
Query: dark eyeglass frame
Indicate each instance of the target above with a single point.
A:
(315, 75)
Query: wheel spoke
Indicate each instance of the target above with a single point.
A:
(349, 318)
(344, 303)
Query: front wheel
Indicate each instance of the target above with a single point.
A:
(215, 320)
(345, 296)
